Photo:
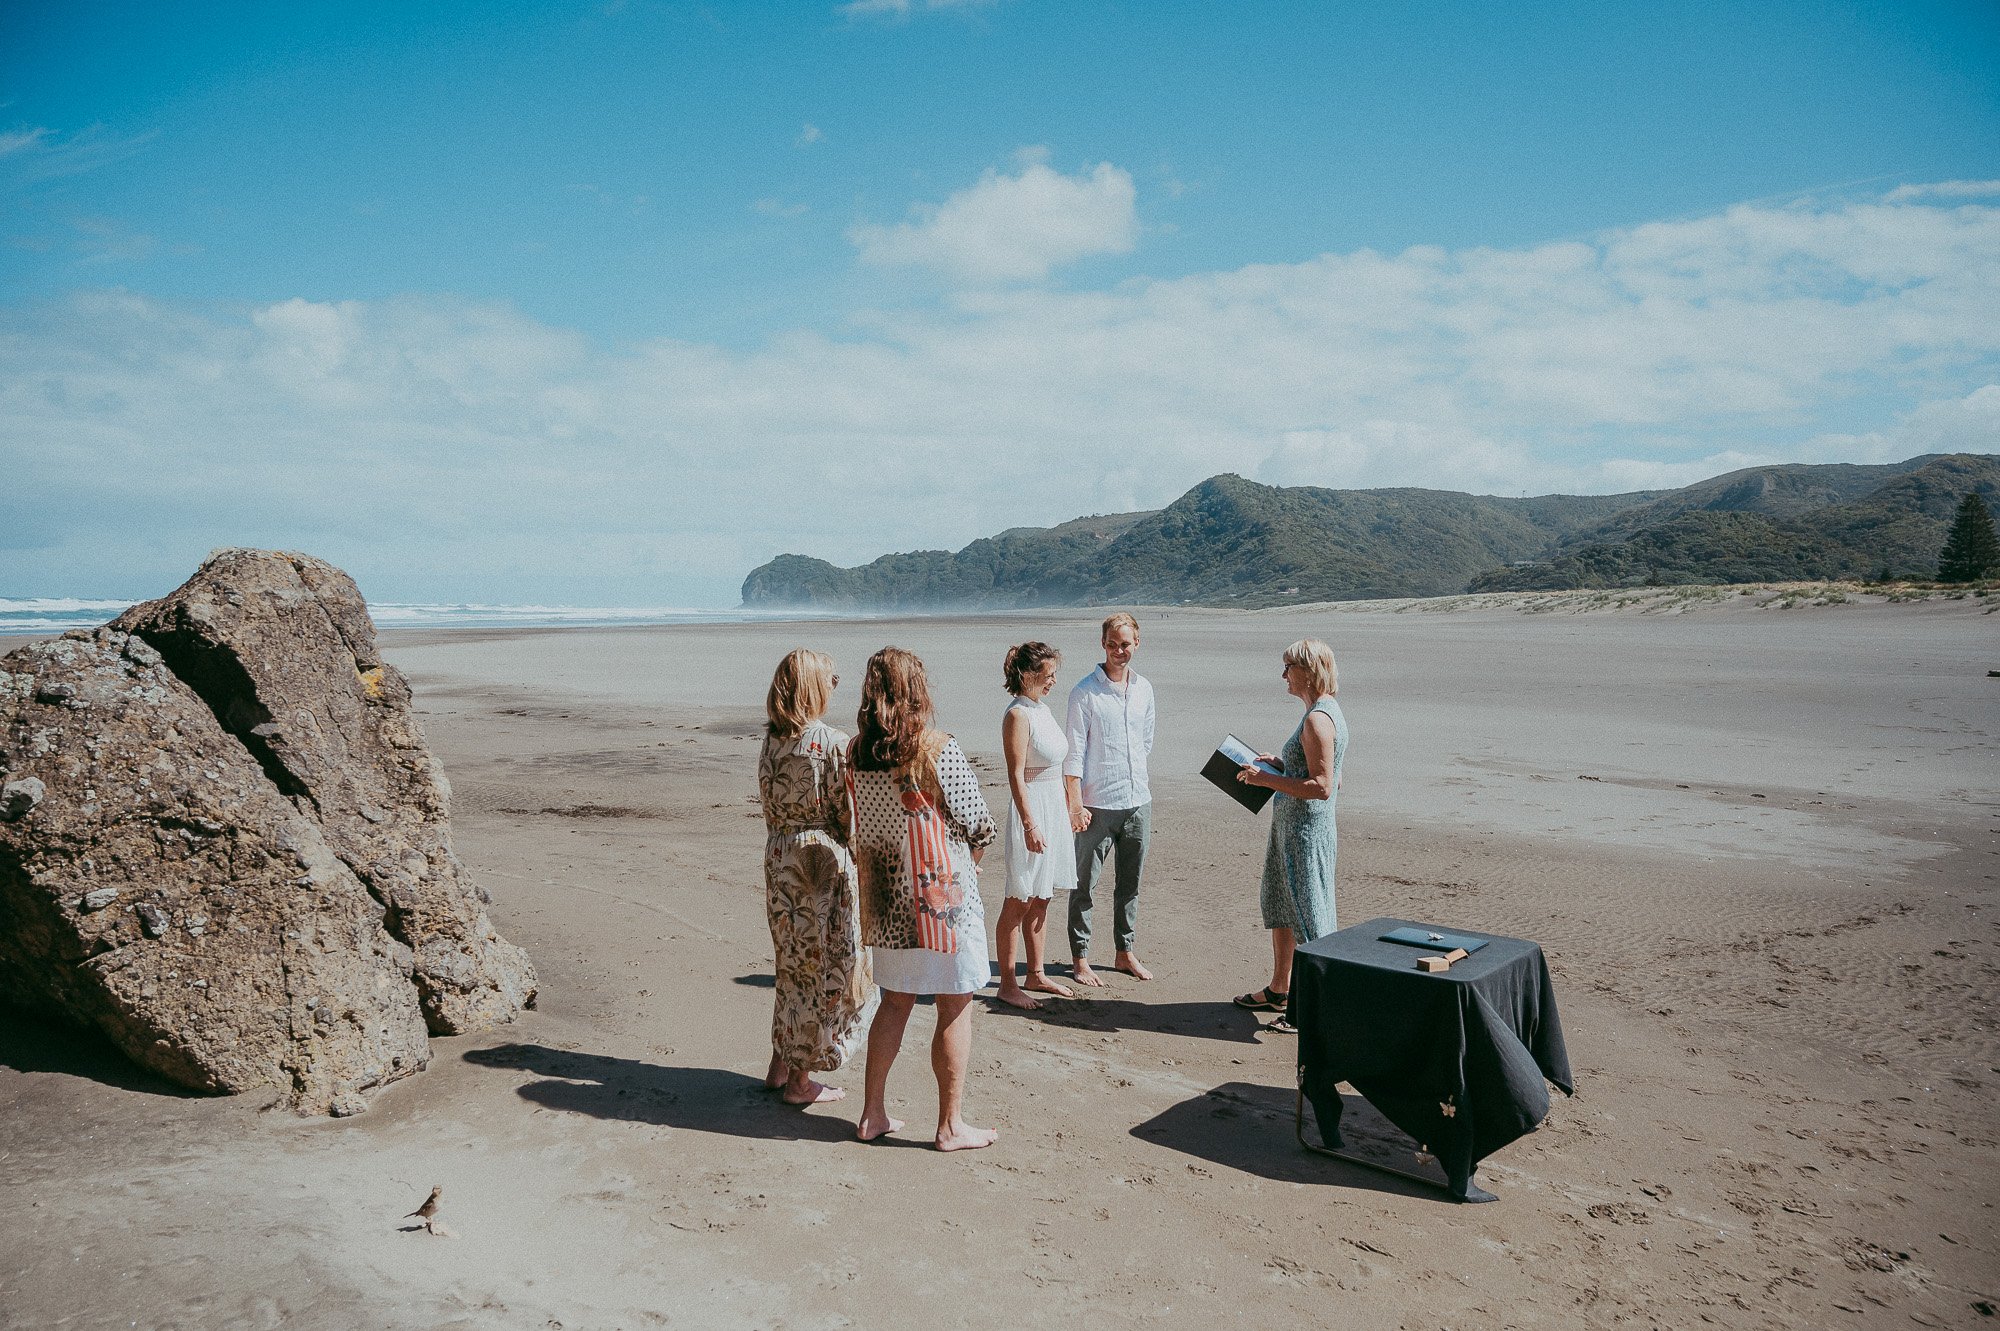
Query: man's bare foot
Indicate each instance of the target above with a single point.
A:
(1042, 984)
(871, 1127)
(1085, 975)
(965, 1138)
(1130, 965)
(775, 1075)
(812, 1093)
(1014, 996)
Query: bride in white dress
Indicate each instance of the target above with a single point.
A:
(1040, 845)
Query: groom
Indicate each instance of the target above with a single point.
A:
(1110, 804)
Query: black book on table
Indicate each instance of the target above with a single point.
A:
(1229, 758)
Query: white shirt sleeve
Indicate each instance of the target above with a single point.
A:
(1078, 726)
(1149, 717)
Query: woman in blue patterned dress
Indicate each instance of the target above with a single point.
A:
(1297, 889)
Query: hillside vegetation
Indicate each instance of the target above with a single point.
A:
(1230, 541)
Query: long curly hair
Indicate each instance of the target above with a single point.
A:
(894, 724)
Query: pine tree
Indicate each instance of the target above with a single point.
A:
(1972, 550)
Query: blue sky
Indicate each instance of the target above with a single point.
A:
(609, 302)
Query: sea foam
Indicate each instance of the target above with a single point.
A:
(55, 614)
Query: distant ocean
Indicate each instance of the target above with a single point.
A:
(54, 614)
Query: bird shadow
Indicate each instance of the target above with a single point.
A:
(629, 1090)
(30, 1042)
(1251, 1129)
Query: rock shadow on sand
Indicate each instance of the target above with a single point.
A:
(30, 1042)
(629, 1090)
(1249, 1128)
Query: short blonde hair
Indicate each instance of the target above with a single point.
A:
(1120, 620)
(1316, 659)
(801, 688)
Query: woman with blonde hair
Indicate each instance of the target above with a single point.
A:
(1297, 888)
(1040, 845)
(824, 993)
(920, 828)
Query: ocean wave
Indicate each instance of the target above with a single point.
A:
(58, 614)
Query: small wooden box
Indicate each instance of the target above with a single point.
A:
(1433, 965)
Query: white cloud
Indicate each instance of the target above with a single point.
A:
(40, 153)
(903, 8)
(1012, 228)
(1944, 189)
(106, 240)
(443, 448)
(21, 140)
(809, 134)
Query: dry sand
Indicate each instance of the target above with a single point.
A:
(1757, 844)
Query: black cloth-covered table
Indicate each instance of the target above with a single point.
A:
(1455, 1059)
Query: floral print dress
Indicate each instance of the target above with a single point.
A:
(825, 994)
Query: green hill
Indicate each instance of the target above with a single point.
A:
(1230, 541)
(1761, 525)
(1227, 541)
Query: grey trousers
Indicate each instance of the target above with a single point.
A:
(1126, 832)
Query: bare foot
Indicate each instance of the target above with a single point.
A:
(964, 1138)
(868, 1129)
(1131, 965)
(1014, 996)
(813, 1093)
(1042, 984)
(1085, 975)
(775, 1075)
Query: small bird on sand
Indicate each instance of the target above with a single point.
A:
(428, 1211)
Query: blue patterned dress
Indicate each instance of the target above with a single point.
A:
(1297, 891)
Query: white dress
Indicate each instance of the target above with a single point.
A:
(1030, 876)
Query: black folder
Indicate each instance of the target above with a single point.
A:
(1229, 758)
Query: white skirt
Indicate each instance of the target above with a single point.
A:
(918, 970)
(1032, 877)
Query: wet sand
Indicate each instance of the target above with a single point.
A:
(1757, 844)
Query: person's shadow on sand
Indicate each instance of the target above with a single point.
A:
(1205, 1021)
(1249, 1128)
(698, 1099)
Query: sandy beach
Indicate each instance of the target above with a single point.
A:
(1757, 844)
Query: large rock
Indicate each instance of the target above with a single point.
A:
(281, 649)
(155, 884)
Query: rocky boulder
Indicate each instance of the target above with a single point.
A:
(224, 844)
(155, 885)
(281, 649)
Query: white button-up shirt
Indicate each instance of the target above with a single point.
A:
(1110, 735)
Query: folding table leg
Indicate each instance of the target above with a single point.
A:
(1458, 1190)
